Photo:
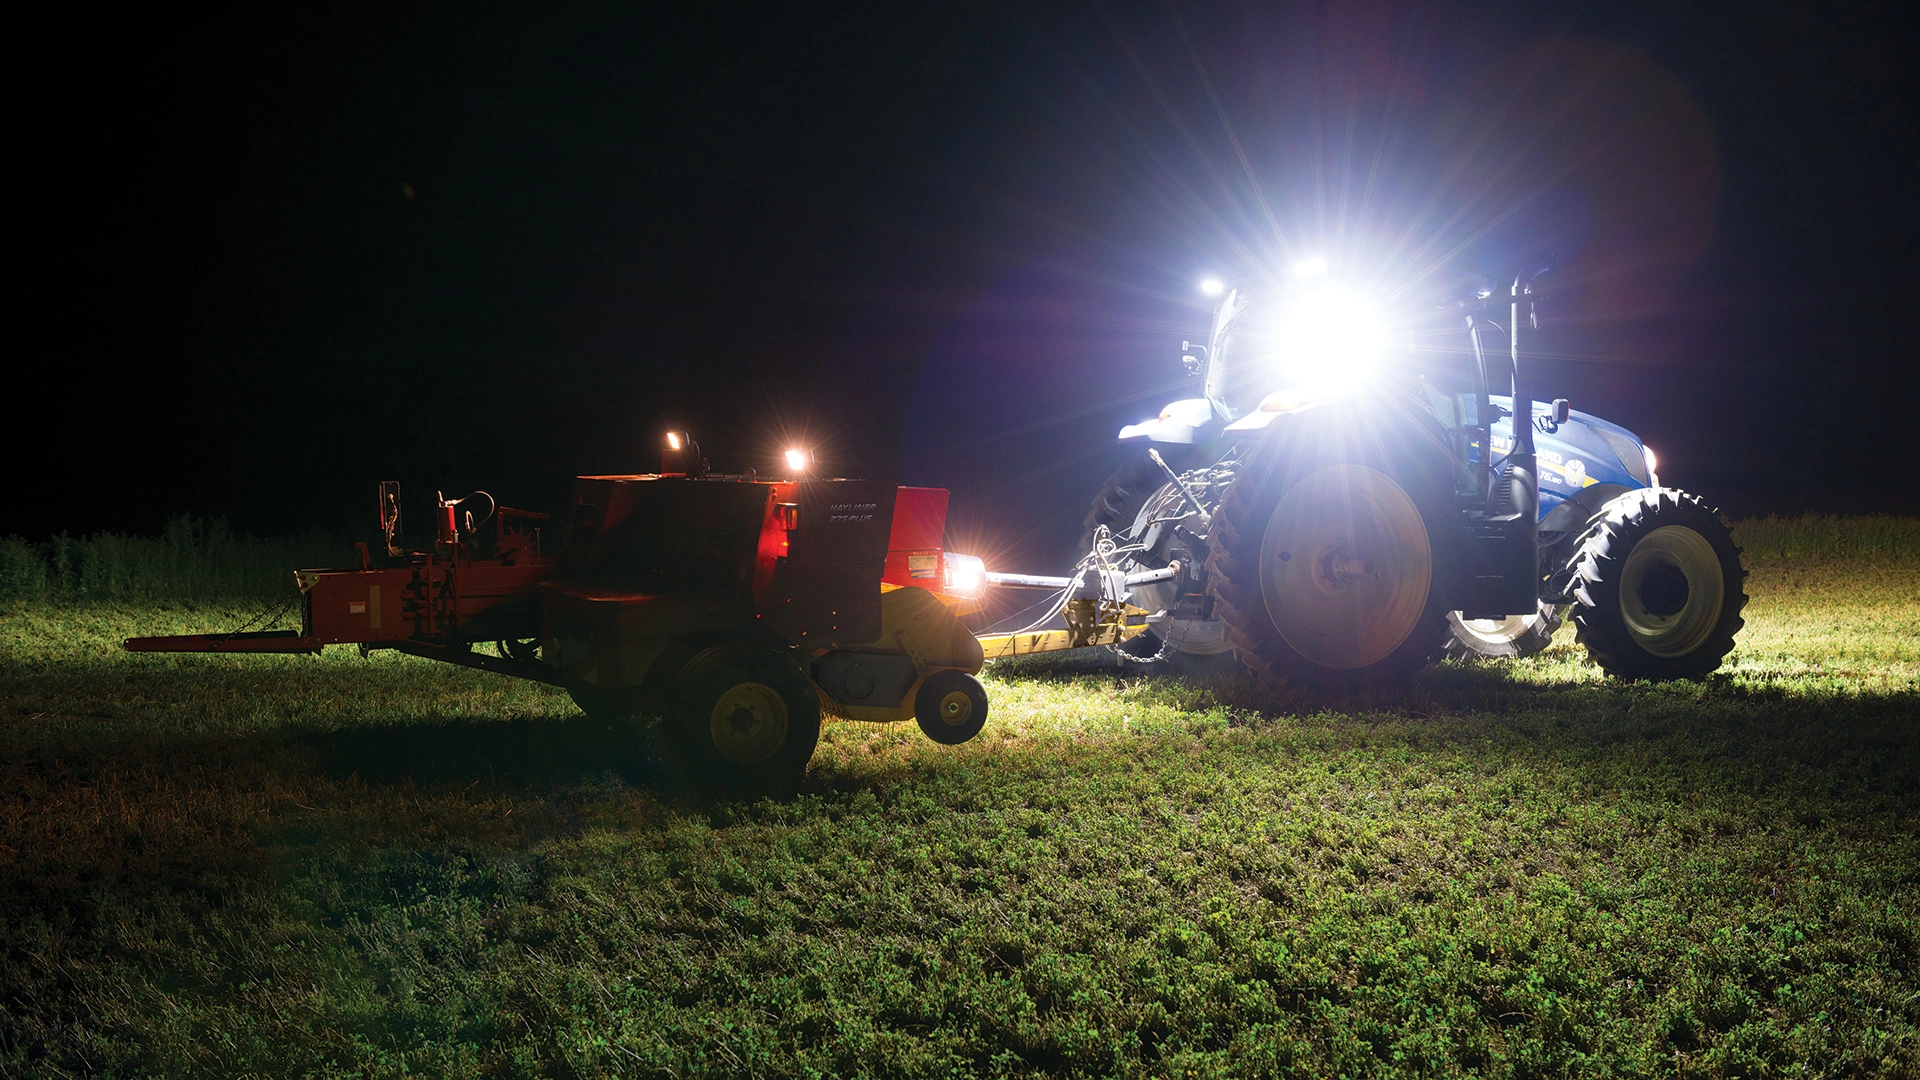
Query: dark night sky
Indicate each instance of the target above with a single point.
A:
(272, 262)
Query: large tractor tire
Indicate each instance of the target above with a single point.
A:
(1658, 587)
(744, 721)
(1200, 647)
(1511, 637)
(1122, 497)
(1127, 492)
(1332, 551)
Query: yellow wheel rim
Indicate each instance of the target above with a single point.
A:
(956, 708)
(749, 723)
(1672, 591)
(1345, 567)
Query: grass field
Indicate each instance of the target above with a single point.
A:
(292, 866)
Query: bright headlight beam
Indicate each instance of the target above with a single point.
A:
(797, 460)
(1330, 339)
(1309, 268)
(1213, 286)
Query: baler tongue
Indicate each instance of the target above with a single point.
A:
(254, 641)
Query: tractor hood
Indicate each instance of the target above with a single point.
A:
(1584, 452)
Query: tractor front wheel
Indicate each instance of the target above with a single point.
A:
(1657, 587)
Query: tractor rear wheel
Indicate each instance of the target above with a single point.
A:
(1331, 551)
(745, 721)
(1658, 587)
(1513, 636)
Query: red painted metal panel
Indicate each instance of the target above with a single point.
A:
(914, 548)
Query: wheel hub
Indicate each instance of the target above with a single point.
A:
(956, 708)
(1340, 566)
(1364, 585)
(1672, 591)
(748, 723)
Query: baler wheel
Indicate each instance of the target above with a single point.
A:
(951, 707)
(1658, 587)
(744, 722)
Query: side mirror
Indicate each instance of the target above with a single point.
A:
(1194, 357)
(1561, 410)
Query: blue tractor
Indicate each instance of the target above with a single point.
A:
(1349, 496)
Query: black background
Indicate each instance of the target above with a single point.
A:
(272, 259)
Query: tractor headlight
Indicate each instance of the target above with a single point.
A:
(1330, 339)
(1653, 464)
(966, 576)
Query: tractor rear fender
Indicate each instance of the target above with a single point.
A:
(1281, 403)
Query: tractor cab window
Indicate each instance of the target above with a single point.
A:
(1453, 397)
(1244, 366)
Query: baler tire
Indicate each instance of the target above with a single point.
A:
(744, 721)
(1515, 637)
(950, 706)
(1272, 469)
(1623, 573)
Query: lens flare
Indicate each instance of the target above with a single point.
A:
(1330, 339)
(966, 576)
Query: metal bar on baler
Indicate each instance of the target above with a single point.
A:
(254, 641)
(1028, 581)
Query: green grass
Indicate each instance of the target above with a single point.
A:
(292, 866)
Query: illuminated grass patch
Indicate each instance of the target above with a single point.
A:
(336, 866)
